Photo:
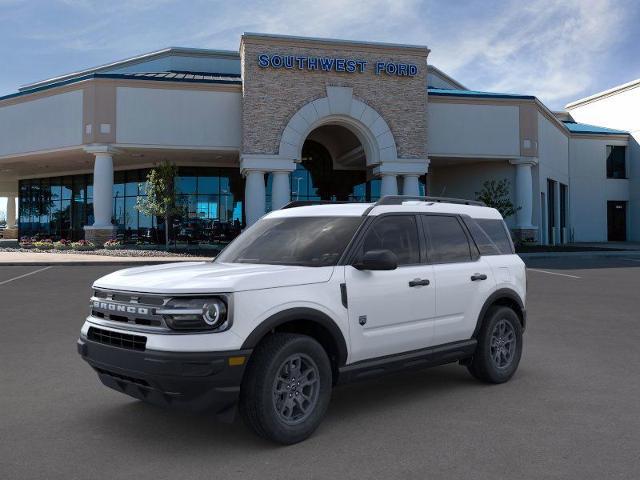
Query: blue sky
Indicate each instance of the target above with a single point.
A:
(557, 50)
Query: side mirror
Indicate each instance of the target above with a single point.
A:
(377, 260)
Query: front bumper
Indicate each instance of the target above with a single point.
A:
(187, 380)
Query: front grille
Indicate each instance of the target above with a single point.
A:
(117, 339)
(131, 308)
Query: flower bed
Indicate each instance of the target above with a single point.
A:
(113, 245)
(43, 244)
(62, 245)
(83, 245)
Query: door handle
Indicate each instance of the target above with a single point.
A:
(478, 276)
(419, 282)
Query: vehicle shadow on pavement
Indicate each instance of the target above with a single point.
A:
(150, 426)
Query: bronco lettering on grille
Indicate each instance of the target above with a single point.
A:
(115, 307)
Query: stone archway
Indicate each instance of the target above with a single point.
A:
(339, 107)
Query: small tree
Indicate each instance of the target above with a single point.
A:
(496, 194)
(161, 199)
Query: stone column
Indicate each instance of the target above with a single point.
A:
(280, 190)
(389, 185)
(254, 195)
(253, 166)
(102, 228)
(525, 230)
(411, 185)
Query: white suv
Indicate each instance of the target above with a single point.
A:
(312, 296)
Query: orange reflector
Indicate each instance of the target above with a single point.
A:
(236, 361)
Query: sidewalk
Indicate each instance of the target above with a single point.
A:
(37, 259)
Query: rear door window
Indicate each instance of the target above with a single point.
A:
(448, 241)
(398, 233)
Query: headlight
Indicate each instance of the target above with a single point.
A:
(209, 314)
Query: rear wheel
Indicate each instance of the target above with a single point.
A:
(499, 346)
(287, 387)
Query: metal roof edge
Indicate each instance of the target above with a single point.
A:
(123, 76)
(476, 94)
(447, 77)
(131, 61)
(605, 93)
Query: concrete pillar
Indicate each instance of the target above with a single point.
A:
(11, 211)
(411, 185)
(389, 185)
(524, 198)
(254, 195)
(103, 190)
(102, 228)
(524, 195)
(280, 190)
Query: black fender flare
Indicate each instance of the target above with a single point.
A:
(296, 314)
(500, 294)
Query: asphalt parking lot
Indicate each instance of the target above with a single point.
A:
(571, 412)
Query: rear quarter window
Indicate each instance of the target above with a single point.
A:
(491, 236)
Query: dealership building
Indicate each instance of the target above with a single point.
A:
(290, 118)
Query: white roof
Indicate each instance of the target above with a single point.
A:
(358, 209)
(327, 210)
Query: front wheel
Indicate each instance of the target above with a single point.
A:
(287, 387)
(499, 346)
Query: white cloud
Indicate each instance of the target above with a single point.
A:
(547, 48)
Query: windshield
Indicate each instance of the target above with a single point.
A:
(304, 241)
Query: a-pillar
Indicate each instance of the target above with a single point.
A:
(524, 230)
(102, 228)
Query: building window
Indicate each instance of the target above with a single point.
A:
(211, 199)
(616, 161)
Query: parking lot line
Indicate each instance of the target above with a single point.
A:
(25, 275)
(632, 259)
(553, 273)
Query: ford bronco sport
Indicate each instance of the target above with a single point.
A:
(309, 297)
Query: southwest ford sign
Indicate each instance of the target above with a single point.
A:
(334, 64)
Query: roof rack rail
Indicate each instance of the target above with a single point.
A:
(308, 203)
(398, 199)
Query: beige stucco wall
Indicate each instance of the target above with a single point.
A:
(45, 123)
(466, 178)
(272, 96)
(178, 117)
(461, 129)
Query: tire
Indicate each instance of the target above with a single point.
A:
(496, 358)
(275, 404)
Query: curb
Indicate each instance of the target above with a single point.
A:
(85, 264)
(592, 254)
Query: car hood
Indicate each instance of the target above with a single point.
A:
(208, 277)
